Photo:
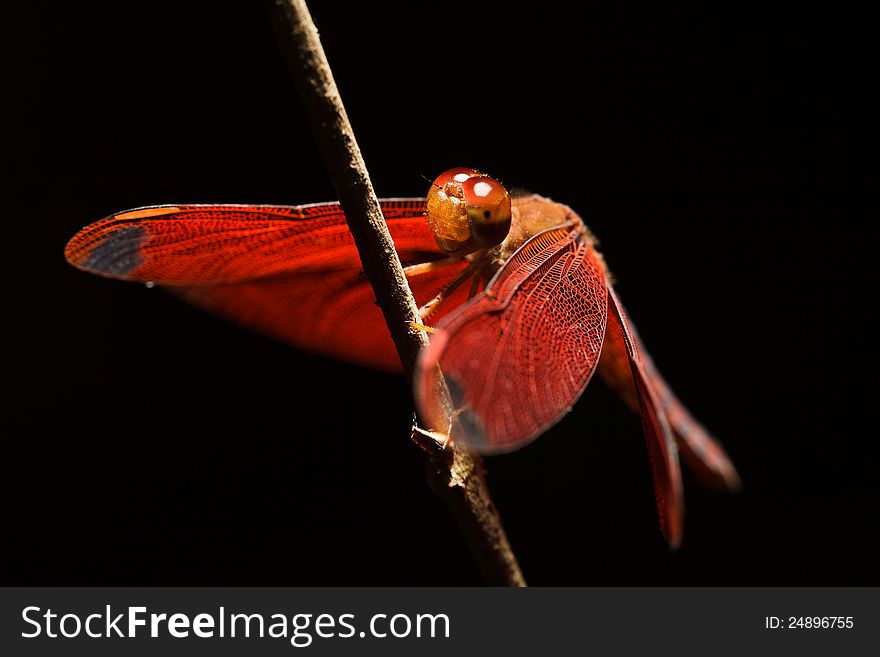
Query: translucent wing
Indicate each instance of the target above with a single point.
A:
(332, 313)
(669, 492)
(222, 244)
(518, 356)
(290, 272)
(702, 453)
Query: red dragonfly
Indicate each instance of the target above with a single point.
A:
(520, 301)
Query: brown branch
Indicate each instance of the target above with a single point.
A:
(453, 471)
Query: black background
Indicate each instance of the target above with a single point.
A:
(713, 148)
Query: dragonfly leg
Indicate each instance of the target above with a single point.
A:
(421, 327)
(475, 266)
(475, 285)
(425, 267)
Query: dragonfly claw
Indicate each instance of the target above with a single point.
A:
(422, 327)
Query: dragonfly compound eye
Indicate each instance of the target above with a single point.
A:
(467, 211)
(457, 175)
(488, 208)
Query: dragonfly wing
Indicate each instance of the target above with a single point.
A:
(222, 244)
(290, 272)
(518, 356)
(620, 342)
(332, 313)
(702, 453)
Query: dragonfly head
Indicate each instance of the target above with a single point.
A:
(468, 210)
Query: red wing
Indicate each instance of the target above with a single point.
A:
(221, 244)
(702, 453)
(620, 343)
(290, 272)
(518, 356)
(332, 313)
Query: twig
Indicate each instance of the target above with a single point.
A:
(458, 477)
(454, 471)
